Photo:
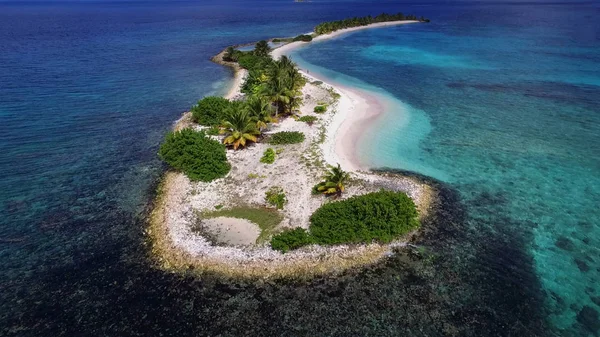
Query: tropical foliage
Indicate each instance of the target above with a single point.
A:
(199, 157)
(210, 110)
(262, 48)
(268, 156)
(304, 37)
(286, 137)
(334, 182)
(320, 109)
(328, 27)
(308, 119)
(380, 216)
(239, 126)
(291, 239)
(275, 197)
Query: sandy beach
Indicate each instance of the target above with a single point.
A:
(298, 167)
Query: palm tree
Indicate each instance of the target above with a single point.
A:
(276, 91)
(262, 48)
(230, 55)
(334, 183)
(239, 127)
(260, 111)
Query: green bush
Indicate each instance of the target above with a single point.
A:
(210, 110)
(199, 157)
(275, 197)
(308, 119)
(290, 239)
(381, 216)
(268, 156)
(320, 109)
(304, 37)
(286, 137)
(251, 61)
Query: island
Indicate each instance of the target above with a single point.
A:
(265, 181)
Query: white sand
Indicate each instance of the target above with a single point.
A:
(283, 50)
(235, 91)
(231, 231)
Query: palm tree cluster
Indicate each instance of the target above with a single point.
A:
(273, 91)
(334, 182)
(328, 27)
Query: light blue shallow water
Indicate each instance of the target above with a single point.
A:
(503, 103)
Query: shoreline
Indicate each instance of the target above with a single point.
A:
(177, 247)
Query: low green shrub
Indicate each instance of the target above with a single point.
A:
(290, 239)
(320, 109)
(268, 156)
(304, 37)
(209, 111)
(213, 131)
(275, 197)
(286, 137)
(199, 157)
(251, 61)
(381, 216)
(308, 119)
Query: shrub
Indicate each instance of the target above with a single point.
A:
(251, 61)
(286, 137)
(191, 152)
(275, 197)
(304, 37)
(268, 156)
(210, 110)
(308, 119)
(320, 109)
(381, 216)
(290, 239)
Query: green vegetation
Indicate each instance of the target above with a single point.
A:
(286, 137)
(266, 218)
(308, 119)
(320, 109)
(262, 49)
(210, 110)
(199, 157)
(239, 126)
(329, 27)
(275, 197)
(334, 182)
(304, 37)
(380, 216)
(291, 239)
(268, 157)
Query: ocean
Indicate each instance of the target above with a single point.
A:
(497, 102)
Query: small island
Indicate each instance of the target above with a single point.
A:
(265, 181)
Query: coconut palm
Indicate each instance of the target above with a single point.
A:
(239, 127)
(335, 181)
(276, 91)
(260, 111)
(262, 48)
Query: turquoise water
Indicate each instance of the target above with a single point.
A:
(507, 111)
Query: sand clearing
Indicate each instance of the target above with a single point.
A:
(231, 231)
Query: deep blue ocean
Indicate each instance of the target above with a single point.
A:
(499, 102)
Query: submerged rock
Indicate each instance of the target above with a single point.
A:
(564, 243)
(588, 317)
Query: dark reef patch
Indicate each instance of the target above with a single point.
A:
(457, 279)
